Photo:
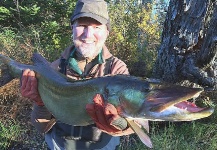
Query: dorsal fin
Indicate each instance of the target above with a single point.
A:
(43, 67)
(38, 59)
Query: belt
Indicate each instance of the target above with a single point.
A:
(86, 133)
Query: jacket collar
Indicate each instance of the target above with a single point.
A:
(70, 55)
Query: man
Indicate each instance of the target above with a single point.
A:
(87, 58)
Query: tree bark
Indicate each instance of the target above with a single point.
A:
(189, 43)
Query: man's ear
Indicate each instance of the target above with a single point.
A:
(72, 31)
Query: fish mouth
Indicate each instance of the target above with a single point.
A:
(189, 106)
(180, 100)
(173, 104)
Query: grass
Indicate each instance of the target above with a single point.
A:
(16, 131)
(9, 132)
(195, 135)
(176, 136)
(188, 136)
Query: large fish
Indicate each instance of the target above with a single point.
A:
(137, 100)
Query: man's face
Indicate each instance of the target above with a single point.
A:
(89, 36)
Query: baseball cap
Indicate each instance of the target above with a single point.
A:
(96, 9)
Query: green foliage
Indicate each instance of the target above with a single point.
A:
(45, 25)
(4, 13)
(8, 134)
(135, 34)
(7, 36)
(17, 45)
(134, 37)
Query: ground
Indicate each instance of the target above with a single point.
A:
(16, 110)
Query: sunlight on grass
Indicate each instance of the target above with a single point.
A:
(188, 135)
(193, 135)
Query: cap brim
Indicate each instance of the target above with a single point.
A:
(96, 17)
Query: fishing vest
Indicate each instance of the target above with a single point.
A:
(84, 137)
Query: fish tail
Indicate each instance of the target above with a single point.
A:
(5, 75)
(10, 69)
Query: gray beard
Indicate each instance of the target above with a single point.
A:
(86, 53)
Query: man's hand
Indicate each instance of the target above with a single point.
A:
(106, 117)
(29, 87)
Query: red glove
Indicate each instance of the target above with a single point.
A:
(29, 87)
(106, 117)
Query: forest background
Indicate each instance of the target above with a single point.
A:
(44, 27)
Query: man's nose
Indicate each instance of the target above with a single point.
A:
(89, 31)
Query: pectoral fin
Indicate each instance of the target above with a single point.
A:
(141, 134)
(143, 123)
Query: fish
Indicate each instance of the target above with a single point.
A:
(138, 100)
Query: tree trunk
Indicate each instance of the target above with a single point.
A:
(189, 43)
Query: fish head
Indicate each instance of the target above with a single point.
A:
(127, 94)
(155, 101)
(171, 103)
